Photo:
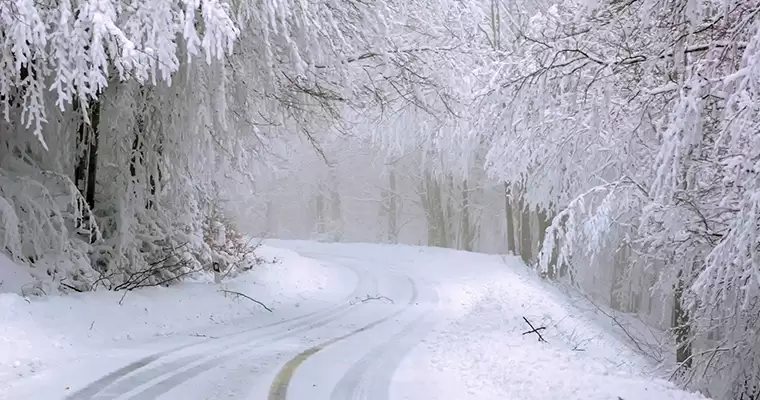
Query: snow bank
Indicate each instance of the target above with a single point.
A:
(480, 351)
(14, 278)
(43, 332)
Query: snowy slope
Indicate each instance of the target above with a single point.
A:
(476, 350)
(14, 278)
(354, 321)
(43, 334)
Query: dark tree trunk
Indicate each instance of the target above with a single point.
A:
(139, 158)
(467, 231)
(510, 217)
(435, 210)
(155, 177)
(86, 162)
(680, 325)
(526, 236)
(92, 164)
(137, 153)
(80, 167)
(270, 217)
(320, 207)
(392, 207)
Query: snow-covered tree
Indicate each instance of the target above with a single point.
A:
(114, 112)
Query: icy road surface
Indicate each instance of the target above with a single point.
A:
(349, 321)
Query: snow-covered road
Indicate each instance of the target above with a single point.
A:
(388, 322)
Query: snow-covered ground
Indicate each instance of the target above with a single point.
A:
(41, 335)
(350, 321)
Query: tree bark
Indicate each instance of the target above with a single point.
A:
(270, 216)
(92, 150)
(392, 207)
(544, 222)
(86, 164)
(320, 208)
(617, 277)
(434, 210)
(80, 167)
(336, 227)
(526, 236)
(510, 220)
(681, 328)
(467, 235)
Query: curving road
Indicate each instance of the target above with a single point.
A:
(349, 350)
(396, 322)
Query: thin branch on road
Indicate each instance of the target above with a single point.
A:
(247, 297)
(203, 336)
(368, 298)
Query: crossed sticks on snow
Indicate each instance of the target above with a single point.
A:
(535, 330)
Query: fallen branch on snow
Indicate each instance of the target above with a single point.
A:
(535, 330)
(203, 336)
(652, 351)
(247, 297)
(368, 298)
(71, 287)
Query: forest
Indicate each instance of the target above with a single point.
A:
(612, 144)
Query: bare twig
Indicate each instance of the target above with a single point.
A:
(33, 286)
(683, 365)
(248, 249)
(139, 278)
(614, 319)
(372, 54)
(71, 287)
(247, 297)
(368, 298)
(202, 335)
(535, 330)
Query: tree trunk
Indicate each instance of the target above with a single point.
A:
(496, 24)
(680, 324)
(80, 167)
(392, 207)
(434, 211)
(336, 226)
(138, 148)
(448, 230)
(467, 236)
(85, 169)
(617, 278)
(320, 211)
(270, 216)
(544, 222)
(510, 220)
(92, 150)
(526, 236)
(155, 178)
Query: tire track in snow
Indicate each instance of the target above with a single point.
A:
(173, 380)
(302, 323)
(279, 388)
(383, 361)
(164, 385)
